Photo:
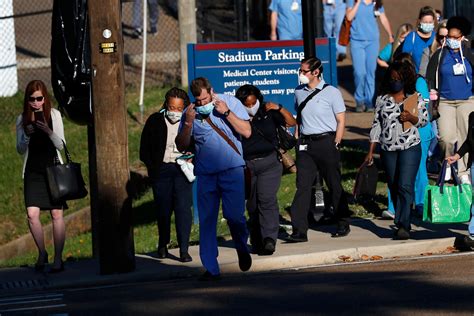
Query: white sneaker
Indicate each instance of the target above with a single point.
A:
(388, 215)
(465, 179)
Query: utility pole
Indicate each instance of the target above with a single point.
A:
(108, 141)
(187, 33)
(307, 10)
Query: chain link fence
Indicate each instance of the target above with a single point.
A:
(25, 44)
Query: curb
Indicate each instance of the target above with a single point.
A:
(260, 265)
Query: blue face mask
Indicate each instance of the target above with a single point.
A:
(426, 27)
(453, 43)
(205, 109)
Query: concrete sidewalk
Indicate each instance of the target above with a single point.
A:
(369, 240)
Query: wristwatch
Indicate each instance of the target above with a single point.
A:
(226, 113)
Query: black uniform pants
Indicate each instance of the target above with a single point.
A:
(313, 154)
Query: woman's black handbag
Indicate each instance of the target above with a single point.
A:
(366, 181)
(286, 140)
(65, 180)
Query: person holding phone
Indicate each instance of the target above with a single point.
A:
(172, 189)
(39, 137)
(400, 149)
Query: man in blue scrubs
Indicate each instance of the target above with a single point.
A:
(286, 18)
(219, 167)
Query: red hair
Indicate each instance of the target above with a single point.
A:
(32, 87)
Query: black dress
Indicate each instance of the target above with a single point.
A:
(41, 153)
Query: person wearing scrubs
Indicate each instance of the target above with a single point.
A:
(364, 42)
(333, 12)
(286, 18)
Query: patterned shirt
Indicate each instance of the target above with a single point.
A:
(387, 128)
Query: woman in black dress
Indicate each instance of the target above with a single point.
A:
(40, 136)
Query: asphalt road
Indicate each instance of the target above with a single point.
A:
(428, 285)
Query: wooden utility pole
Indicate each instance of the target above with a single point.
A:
(108, 141)
(187, 33)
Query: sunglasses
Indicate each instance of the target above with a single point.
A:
(37, 99)
(304, 71)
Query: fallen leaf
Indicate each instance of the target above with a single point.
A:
(427, 254)
(364, 257)
(375, 258)
(345, 258)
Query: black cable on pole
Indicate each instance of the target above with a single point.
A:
(307, 10)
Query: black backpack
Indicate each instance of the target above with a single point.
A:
(71, 59)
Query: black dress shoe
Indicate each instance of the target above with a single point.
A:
(342, 231)
(57, 270)
(185, 257)
(297, 237)
(402, 234)
(40, 266)
(469, 241)
(208, 276)
(268, 247)
(162, 252)
(245, 260)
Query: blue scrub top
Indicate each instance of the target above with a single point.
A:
(454, 87)
(290, 22)
(415, 45)
(364, 25)
(426, 132)
(212, 153)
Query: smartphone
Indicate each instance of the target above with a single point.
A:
(39, 116)
(186, 156)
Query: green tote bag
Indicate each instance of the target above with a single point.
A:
(447, 204)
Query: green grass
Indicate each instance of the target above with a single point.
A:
(145, 229)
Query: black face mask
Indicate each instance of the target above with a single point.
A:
(396, 86)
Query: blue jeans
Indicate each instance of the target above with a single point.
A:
(364, 60)
(333, 17)
(471, 223)
(137, 16)
(401, 168)
(227, 186)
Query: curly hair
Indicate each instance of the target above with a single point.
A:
(176, 93)
(407, 75)
(247, 90)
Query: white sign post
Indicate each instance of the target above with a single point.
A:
(8, 66)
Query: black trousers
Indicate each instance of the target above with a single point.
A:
(262, 204)
(173, 192)
(313, 155)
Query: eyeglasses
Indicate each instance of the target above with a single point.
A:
(304, 71)
(454, 37)
(37, 99)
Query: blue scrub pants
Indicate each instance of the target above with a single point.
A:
(421, 181)
(227, 186)
(401, 168)
(137, 16)
(333, 17)
(364, 60)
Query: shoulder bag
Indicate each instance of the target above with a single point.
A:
(303, 104)
(345, 32)
(65, 181)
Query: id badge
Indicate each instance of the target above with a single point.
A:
(458, 69)
(303, 147)
(295, 6)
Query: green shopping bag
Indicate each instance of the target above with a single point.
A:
(447, 204)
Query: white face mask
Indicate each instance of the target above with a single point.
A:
(174, 117)
(303, 79)
(253, 110)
